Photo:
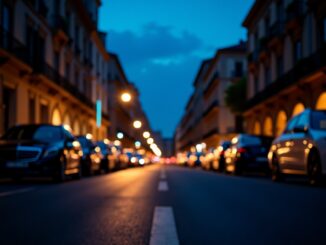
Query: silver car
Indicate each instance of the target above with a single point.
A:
(301, 149)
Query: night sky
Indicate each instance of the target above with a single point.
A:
(161, 44)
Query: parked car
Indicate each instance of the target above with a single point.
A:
(247, 152)
(91, 160)
(195, 159)
(39, 150)
(109, 160)
(301, 148)
(219, 156)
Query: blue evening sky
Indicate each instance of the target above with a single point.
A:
(161, 44)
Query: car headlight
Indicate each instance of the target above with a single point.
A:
(51, 152)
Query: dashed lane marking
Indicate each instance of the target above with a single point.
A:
(14, 192)
(163, 174)
(163, 186)
(164, 230)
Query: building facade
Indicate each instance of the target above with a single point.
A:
(53, 65)
(207, 118)
(286, 62)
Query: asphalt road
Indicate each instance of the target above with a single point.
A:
(162, 205)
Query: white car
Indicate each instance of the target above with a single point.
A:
(301, 149)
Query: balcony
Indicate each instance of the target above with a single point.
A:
(277, 30)
(54, 76)
(14, 47)
(213, 106)
(302, 69)
(211, 133)
(211, 85)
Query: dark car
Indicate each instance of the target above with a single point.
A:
(248, 152)
(109, 160)
(39, 150)
(91, 160)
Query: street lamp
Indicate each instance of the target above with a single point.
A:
(150, 141)
(137, 124)
(120, 135)
(126, 97)
(146, 135)
(137, 144)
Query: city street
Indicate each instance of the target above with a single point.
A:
(162, 205)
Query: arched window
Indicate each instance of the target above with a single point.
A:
(76, 127)
(298, 108)
(66, 120)
(257, 128)
(321, 102)
(268, 126)
(281, 121)
(56, 117)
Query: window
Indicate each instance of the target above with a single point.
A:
(256, 84)
(303, 120)
(6, 18)
(9, 105)
(297, 51)
(67, 70)
(267, 75)
(324, 29)
(291, 124)
(280, 65)
(238, 69)
(319, 120)
(44, 110)
(31, 107)
(56, 61)
(42, 133)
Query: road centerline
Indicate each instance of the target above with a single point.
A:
(163, 174)
(163, 186)
(163, 230)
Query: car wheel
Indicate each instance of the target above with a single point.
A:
(276, 171)
(60, 175)
(314, 168)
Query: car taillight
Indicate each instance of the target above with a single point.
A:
(222, 153)
(241, 151)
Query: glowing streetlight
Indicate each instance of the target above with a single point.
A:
(120, 135)
(146, 135)
(126, 97)
(137, 124)
(150, 141)
(137, 144)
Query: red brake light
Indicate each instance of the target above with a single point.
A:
(241, 150)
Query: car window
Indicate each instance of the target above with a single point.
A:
(250, 140)
(318, 120)
(291, 124)
(41, 133)
(303, 121)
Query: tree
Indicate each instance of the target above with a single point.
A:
(235, 96)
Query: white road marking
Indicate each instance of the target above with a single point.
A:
(164, 230)
(163, 186)
(163, 174)
(19, 191)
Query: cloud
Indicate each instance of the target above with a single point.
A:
(163, 64)
(155, 43)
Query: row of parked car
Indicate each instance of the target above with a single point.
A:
(49, 150)
(299, 150)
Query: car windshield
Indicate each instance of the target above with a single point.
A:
(39, 133)
(250, 140)
(319, 120)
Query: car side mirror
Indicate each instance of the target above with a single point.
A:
(300, 129)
